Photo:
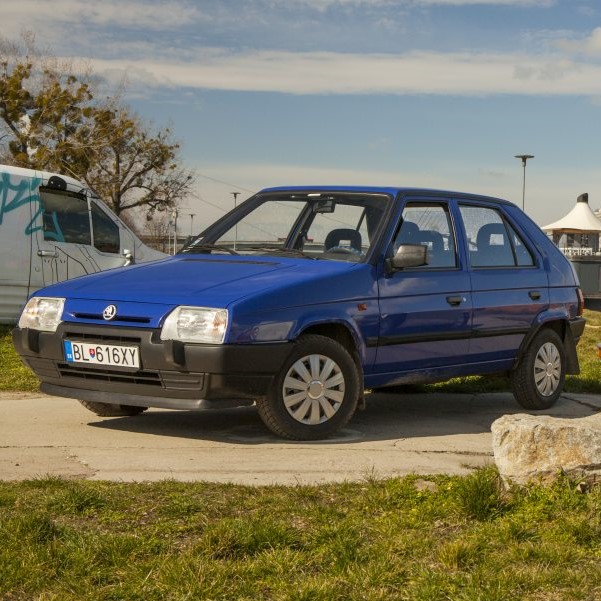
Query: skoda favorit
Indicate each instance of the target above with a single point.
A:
(300, 298)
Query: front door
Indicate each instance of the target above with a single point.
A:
(77, 236)
(425, 311)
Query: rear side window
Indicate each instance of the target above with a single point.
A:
(493, 242)
(429, 224)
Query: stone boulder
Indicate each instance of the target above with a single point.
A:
(537, 447)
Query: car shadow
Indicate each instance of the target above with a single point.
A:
(388, 417)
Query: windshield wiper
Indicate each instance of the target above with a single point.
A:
(278, 250)
(199, 248)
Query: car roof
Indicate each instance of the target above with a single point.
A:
(391, 191)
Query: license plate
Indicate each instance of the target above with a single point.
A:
(102, 354)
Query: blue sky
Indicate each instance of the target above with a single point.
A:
(429, 93)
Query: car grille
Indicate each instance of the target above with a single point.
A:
(170, 380)
(149, 378)
(99, 337)
(120, 319)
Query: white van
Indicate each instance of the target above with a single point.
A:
(53, 228)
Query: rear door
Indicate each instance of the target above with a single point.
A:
(509, 285)
(425, 311)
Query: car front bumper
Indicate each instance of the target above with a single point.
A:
(172, 374)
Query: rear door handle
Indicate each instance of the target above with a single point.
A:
(48, 253)
(534, 294)
(455, 300)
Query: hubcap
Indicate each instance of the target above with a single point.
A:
(547, 369)
(313, 389)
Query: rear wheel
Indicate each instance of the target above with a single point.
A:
(108, 410)
(537, 381)
(315, 393)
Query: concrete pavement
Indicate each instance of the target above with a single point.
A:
(397, 434)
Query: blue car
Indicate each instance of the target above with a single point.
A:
(301, 298)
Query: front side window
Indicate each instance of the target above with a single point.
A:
(333, 226)
(493, 242)
(65, 216)
(106, 231)
(429, 224)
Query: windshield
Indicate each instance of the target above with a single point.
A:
(332, 226)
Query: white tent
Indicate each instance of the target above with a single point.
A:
(579, 220)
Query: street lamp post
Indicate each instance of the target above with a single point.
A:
(192, 222)
(524, 158)
(174, 215)
(235, 195)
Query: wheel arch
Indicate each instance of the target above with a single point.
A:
(342, 333)
(559, 324)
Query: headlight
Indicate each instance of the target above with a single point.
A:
(42, 313)
(195, 324)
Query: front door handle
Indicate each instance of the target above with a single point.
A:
(455, 300)
(48, 253)
(534, 294)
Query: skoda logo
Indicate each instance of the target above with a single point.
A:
(109, 312)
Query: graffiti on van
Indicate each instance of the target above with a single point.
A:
(15, 194)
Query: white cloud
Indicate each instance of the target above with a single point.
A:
(323, 4)
(517, 3)
(590, 45)
(37, 14)
(338, 73)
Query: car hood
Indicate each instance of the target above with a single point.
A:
(151, 290)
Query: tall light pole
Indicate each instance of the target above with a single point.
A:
(235, 195)
(191, 222)
(524, 158)
(174, 215)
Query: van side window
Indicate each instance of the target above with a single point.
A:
(493, 242)
(429, 224)
(106, 231)
(65, 217)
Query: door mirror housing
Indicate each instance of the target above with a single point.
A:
(129, 257)
(408, 255)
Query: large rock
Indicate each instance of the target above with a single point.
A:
(538, 448)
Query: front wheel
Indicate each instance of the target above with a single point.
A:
(108, 410)
(538, 379)
(315, 393)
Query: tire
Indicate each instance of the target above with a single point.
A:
(108, 410)
(315, 393)
(538, 379)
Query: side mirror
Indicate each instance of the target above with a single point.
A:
(129, 258)
(409, 255)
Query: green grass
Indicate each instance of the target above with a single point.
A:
(15, 376)
(376, 540)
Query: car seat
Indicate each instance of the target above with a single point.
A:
(492, 252)
(343, 237)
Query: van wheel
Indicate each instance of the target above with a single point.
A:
(538, 379)
(108, 410)
(315, 393)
